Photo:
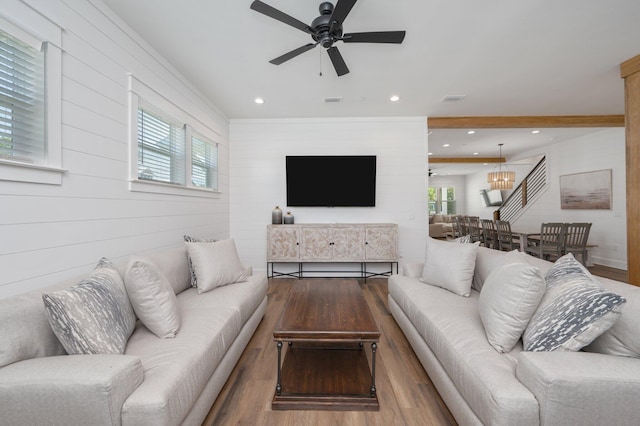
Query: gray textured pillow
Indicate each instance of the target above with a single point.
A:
(216, 264)
(450, 265)
(152, 297)
(190, 239)
(574, 310)
(94, 316)
(509, 298)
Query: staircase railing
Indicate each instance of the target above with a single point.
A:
(532, 185)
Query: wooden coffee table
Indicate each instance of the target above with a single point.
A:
(326, 366)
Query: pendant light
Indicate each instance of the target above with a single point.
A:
(501, 179)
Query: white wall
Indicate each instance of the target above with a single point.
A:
(50, 232)
(258, 150)
(598, 151)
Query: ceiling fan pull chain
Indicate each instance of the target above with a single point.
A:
(320, 58)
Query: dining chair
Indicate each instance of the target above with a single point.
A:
(550, 243)
(489, 235)
(457, 230)
(506, 241)
(474, 228)
(575, 240)
(463, 225)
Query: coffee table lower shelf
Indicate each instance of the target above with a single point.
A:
(326, 379)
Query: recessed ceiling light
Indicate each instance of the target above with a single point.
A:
(431, 153)
(446, 145)
(394, 98)
(258, 100)
(470, 132)
(475, 153)
(535, 132)
(485, 164)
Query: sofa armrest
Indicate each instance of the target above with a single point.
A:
(412, 270)
(68, 389)
(582, 388)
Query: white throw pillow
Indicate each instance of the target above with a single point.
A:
(152, 297)
(450, 265)
(509, 298)
(216, 264)
(488, 260)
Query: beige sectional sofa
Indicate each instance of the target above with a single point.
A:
(157, 381)
(595, 386)
(441, 225)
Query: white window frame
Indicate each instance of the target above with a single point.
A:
(40, 33)
(142, 95)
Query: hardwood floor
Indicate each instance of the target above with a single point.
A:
(406, 395)
(609, 272)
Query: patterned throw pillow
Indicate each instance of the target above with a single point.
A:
(574, 310)
(94, 316)
(190, 239)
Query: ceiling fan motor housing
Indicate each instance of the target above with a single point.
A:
(324, 32)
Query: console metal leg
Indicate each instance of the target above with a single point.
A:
(278, 384)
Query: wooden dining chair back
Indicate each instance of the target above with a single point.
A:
(457, 229)
(463, 225)
(550, 243)
(575, 240)
(505, 237)
(475, 229)
(489, 234)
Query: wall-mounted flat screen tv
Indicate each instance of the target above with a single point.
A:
(331, 181)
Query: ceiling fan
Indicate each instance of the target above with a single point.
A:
(325, 30)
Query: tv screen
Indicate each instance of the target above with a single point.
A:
(331, 181)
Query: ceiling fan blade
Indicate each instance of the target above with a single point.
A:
(338, 62)
(375, 37)
(292, 54)
(342, 9)
(274, 13)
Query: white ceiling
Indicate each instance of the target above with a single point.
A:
(544, 57)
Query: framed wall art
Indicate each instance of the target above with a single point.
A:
(586, 191)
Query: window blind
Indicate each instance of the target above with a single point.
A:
(204, 163)
(22, 106)
(161, 149)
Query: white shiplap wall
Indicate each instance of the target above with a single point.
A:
(258, 151)
(51, 232)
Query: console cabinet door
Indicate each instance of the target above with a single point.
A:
(381, 243)
(348, 243)
(316, 244)
(283, 243)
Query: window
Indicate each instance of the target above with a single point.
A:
(442, 200)
(171, 152)
(30, 99)
(22, 135)
(204, 163)
(161, 149)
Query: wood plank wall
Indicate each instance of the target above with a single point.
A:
(630, 71)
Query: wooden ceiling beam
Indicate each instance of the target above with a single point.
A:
(519, 122)
(458, 160)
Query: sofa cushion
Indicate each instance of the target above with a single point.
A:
(177, 370)
(451, 327)
(488, 260)
(192, 272)
(152, 297)
(507, 302)
(216, 264)
(623, 339)
(449, 265)
(574, 310)
(93, 317)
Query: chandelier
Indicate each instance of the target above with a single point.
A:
(501, 179)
